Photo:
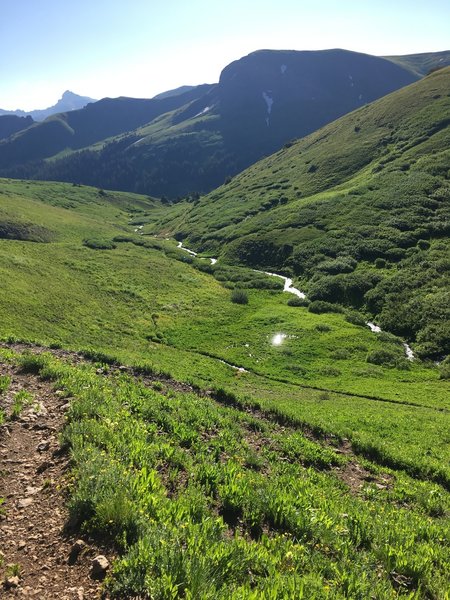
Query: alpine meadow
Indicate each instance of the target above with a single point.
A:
(225, 337)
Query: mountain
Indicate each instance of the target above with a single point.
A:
(94, 123)
(10, 124)
(359, 212)
(175, 92)
(68, 101)
(193, 141)
(422, 64)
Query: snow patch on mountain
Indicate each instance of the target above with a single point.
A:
(202, 112)
(269, 103)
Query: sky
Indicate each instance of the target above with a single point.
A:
(139, 48)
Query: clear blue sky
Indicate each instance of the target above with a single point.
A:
(139, 48)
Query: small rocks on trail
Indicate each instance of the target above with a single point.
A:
(100, 565)
(36, 548)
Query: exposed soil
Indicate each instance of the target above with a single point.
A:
(356, 476)
(38, 556)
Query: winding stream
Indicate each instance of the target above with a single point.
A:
(288, 287)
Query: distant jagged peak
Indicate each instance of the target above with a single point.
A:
(68, 101)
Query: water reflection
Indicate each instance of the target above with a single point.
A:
(278, 339)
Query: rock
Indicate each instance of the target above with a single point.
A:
(39, 409)
(44, 466)
(76, 549)
(32, 491)
(11, 582)
(65, 407)
(100, 565)
(43, 446)
(24, 502)
(21, 545)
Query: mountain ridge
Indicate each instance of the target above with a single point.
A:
(68, 101)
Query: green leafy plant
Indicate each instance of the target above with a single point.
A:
(239, 297)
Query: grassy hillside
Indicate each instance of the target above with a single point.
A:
(281, 477)
(422, 64)
(206, 497)
(358, 212)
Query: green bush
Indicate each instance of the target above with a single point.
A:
(320, 306)
(296, 301)
(355, 318)
(239, 297)
(339, 265)
(423, 244)
(444, 369)
(97, 244)
(323, 328)
(384, 358)
(380, 263)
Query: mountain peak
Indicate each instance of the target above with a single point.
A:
(68, 101)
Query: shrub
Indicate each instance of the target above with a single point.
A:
(384, 358)
(380, 263)
(330, 372)
(239, 297)
(355, 318)
(323, 328)
(444, 369)
(395, 254)
(97, 244)
(296, 301)
(339, 265)
(320, 306)
(423, 244)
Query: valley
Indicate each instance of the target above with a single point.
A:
(224, 418)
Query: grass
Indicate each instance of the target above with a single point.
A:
(208, 500)
(20, 401)
(183, 324)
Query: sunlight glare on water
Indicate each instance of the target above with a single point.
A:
(278, 339)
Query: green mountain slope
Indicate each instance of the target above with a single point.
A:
(284, 474)
(422, 64)
(358, 211)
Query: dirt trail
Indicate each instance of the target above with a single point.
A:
(33, 481)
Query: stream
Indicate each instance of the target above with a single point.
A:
(288, 287)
